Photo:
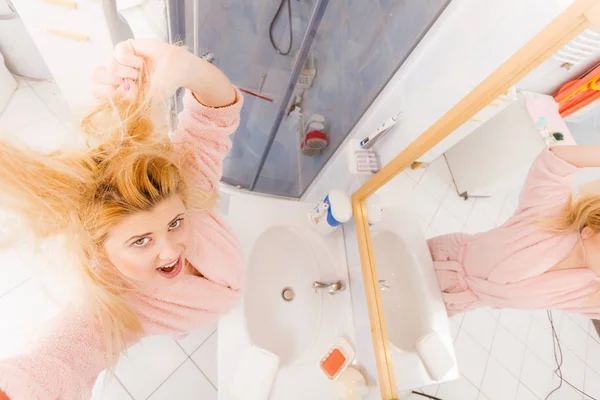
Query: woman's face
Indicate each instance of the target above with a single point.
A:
(149, 247)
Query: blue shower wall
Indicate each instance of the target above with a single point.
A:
(359, 45)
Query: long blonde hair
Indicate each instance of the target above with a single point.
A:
(581, 210)
(129, 165)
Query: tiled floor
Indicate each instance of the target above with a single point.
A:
(502, 355)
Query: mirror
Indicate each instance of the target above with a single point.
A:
(418, 221)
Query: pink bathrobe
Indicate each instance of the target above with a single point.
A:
(66, 362)
(509, 267)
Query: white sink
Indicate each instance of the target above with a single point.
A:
(284, 265)
(412, 301)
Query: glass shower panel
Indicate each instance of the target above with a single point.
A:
(358, 47)
(237, 33)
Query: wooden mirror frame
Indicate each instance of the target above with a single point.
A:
(574, 20)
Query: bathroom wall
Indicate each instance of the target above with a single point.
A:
(358, 46)
(471, 39)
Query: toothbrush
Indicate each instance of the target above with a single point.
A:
(369, 141)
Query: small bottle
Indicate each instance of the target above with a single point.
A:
(331, 212)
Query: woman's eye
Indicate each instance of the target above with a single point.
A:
(141, 242)
(175, 224)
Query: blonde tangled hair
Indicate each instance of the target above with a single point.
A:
(129, 165)
(582, 209)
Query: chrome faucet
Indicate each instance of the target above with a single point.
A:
(331, 287)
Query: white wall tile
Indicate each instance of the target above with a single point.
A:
(498, 383)
(525, 394)
(472, 358)
(148, 364)
(508, 350)
(536, 375)
(459, 389)
(194, 339)
(206, 359)
(516, 322)
(481, 326)
(186, 383)
(573, 337)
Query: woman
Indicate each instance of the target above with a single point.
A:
(153, 256)
(546, 256)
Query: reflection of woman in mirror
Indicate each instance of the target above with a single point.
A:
(136, 207)
(546, 256)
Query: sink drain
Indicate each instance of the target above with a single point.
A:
(288, 294)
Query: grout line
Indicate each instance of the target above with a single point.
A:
(123, 386)
(15, 287)
(200, 345)
(167, 378)
(205, 376)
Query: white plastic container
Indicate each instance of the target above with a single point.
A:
(8, 84)
(331, 212)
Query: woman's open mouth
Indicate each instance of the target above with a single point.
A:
(171, 270)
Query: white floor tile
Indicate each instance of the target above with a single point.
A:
(444, 222)
(592, 383)
(13, 270)
(426, 205)
(541, 316)
(482, 397)
(593, 355)
(431, 232)
(479, 222)
(539, 342)
(491, 207)
(430, 390)
(186, 383)
(573, 368)
(516, 322)
(505, 214)
(508, 350)
(45, 135)
(459, 389)
(454, 328)
(415, 174)
(492, 311)
(434, 185)
(583, 322)
(536, 375)
(459, 318)
(28, 310)
(53, 98)
(458, 206)
(573, 337)
(206, 359)
(194, 339)
(24, 108)
(481, 325)
(525, 394)
(109, 389)
(148, 364)
(565, 392)
(498, 383)
(472, 358)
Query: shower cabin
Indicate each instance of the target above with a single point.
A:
(298, 61)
